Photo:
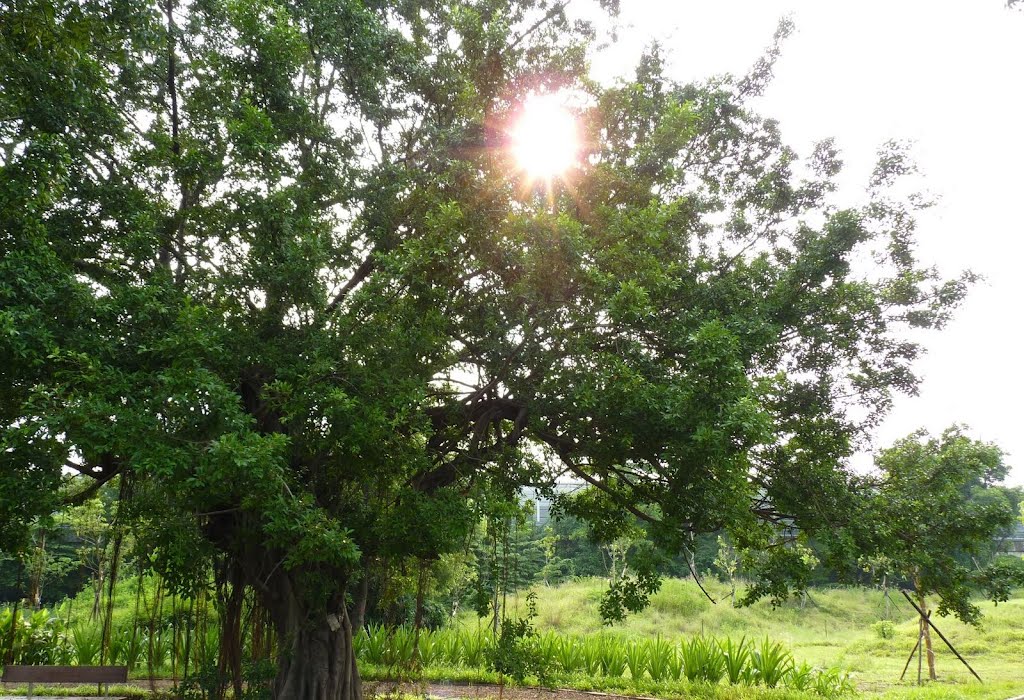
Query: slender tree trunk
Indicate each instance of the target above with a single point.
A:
(108, 618)
(35, 581)
(175, 637)
(97, 592)
(926, 633)
(421, 587)
(928, 648)
(495, 606)
(189, 625)
(885, 593)
(316, 658)
(359, 609)
(12, 634)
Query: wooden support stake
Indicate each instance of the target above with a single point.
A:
(931, 624)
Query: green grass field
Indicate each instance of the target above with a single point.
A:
(833, 627)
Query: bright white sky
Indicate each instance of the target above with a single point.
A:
(949, 77)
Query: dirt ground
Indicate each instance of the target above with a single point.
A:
(380, 690)
(474, 691)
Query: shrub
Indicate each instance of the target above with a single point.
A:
(884, 629)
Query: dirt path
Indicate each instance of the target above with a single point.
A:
(382, 689)
(474, 691)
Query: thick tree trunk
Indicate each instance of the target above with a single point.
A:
(316, 658)
(317, 662)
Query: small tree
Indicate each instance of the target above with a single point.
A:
(91, 524)
(727, 563)
(930, 512)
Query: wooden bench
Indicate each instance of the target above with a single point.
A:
(101, 675)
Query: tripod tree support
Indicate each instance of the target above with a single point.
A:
(927, 618)
(913, 651)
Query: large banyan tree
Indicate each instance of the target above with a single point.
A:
(272, 264)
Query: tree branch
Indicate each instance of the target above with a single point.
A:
(108, 468)
(361, 273)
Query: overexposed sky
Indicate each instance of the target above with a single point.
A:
(947, 76)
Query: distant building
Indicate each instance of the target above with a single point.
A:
(542, 504)
(1012, 544)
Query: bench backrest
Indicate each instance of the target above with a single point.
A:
(65, 674)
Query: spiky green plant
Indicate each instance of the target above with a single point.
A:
(359, 642)
(207, 647)
(833, 683)
(451, 646)
(134, 648)
(86, 641)
(613, 657)
(120, 638)
(636, 659)
(703, 660)
(428, 648)
(547, 649)
(714, 661)
(474, 648)
(400, 648)
(569, 655)
(675, 665)
(800, 677)
(700, 659)
(661, 654)
(590, 651)
(159, 649)
(736, 657)
(376, 644)
(771, 662)
(689, 652)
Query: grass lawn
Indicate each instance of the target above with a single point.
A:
(833, 627)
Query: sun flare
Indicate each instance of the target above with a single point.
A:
(545, 142)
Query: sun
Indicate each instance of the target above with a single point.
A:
(545, 141)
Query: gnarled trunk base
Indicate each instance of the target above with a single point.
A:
(316, 658)
(318, 663)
